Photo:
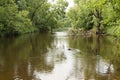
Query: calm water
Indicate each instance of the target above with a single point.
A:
(59, 57)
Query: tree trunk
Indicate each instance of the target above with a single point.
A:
(98, 15)
(97, 45)
(98, 29)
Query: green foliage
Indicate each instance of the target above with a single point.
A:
(7, 7)
(102, 14)
(23, 23)
(25, 16)
(57, 14)
(81, 17)
(46, 16)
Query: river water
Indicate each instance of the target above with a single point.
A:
(59, 57)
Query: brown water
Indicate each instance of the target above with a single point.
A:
(59, 57)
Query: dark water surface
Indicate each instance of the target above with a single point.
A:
(59, 57)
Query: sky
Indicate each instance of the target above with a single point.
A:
(71, 3)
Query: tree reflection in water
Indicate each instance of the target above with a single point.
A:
(48, 57)
(97, 56)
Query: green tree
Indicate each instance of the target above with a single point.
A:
(45, 16)
(58, 13)
(81, 16)
(13, 21)
(103, 15)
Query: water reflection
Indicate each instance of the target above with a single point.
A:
(97, 57)
(20, 56)
(59, 57)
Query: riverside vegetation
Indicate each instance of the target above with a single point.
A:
(26, 16)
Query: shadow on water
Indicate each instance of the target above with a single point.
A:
(59, 57)
(100, 56)
(17, 55)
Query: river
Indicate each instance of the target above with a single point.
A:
(59, 57)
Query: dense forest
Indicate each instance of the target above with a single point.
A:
(100, 16)
(27, 16)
